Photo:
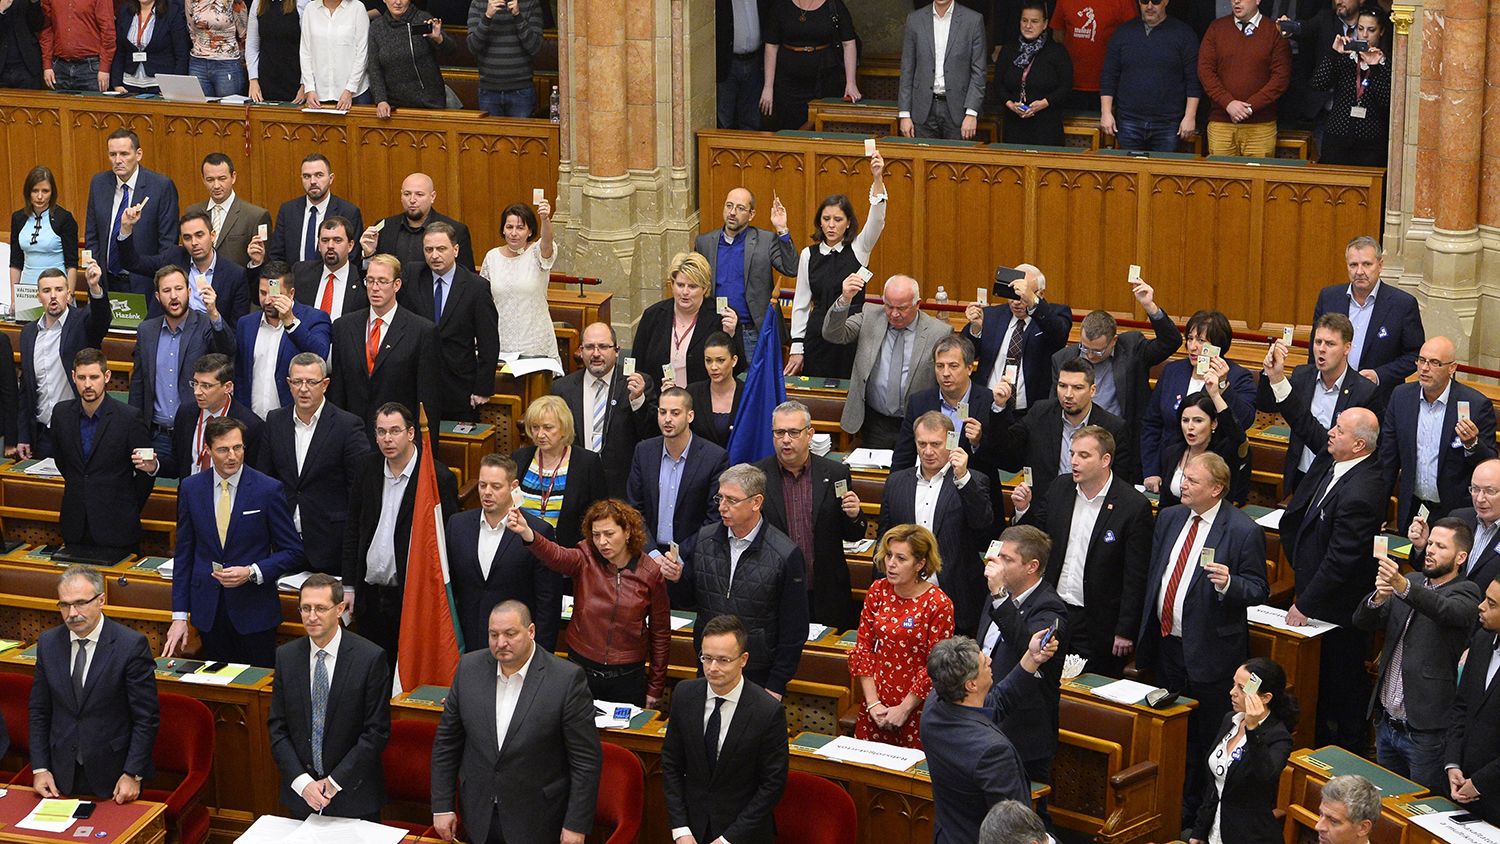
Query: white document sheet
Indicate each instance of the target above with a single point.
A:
(890, 757)
(1442, 825)
(870, 458)
(318, 829)
(1272, 519)
(1124, 691)
(1275, 617)
(269, 829)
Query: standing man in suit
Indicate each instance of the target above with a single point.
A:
(611, 412)
(1387, 320)
(48, 345)
(405, 234)
(94, 711)
(673, 477)
(489, 565)
(741, 255)
(518, 734)
(196, 255)
(234, 221)
(213, 397)
(400, 358)
(942, 73)
(1426, 617)
(442, 289)
(956, 397)
(128, 184)
(1102, 528)
(1473, 752)
(1315, 394)
(329, 282)
(1043, 438)
(1024, 332)
(1483, 520)
(299, 220)
(1436, 432)
(314, 449)
(1208, 563)
(724, 758)
(941, 494)
(1326, 533)
(234, 540)
(268, 339)
(894, 342)
(327, 736)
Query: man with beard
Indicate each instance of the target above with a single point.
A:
(299, 220)
(628, 414)
(1483, 564)
(402, 234)
(48, 345)
(330, 283)
(742, 257)
(1043, 438)
(266, 342)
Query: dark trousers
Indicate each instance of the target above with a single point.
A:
(1147, 135)
(879, 430)
(1435, 510)
(739, 95)
(1203, 723)
(1343, 690)
(41, 442)
(939, 123)
(377, 616)
(618, 683)
(1081, 641)
(83, 786)
(19, 77)
(225, 644)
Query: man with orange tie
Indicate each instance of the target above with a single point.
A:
(385, 353)
(213, 392)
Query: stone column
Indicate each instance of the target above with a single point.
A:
(1396, 170)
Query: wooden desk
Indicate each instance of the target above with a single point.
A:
(1308, 770)
(141, 822)
(1405, 808)
(1300, 656)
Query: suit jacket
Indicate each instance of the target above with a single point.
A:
(1031, 725)
(357, 723)
(547, 775)
(1131, 365)
(103, 494)
(389, 240)
(1307, 431)
(1249, 797)
(1474, 727)
(764, 251)
(1035, 440)
(514, 574)
(1160, 429)
(724, 36)
(199, 337)
(1483, 564)
(83, 328)
(229, 277)
(232, 240)
(623, 427)
(1455, 464)
(652, 345)
(290, 233)
(314, 333)
(736, 797)
(28, 20)
(309, 274)
(364, 515)
(964, 65)
(1215, 633)
(1329, 545)
(406, 368)
(167, 51)
(1435, 623)
(961, 520)
(325, 483)
(1046, 334)
(157, 228)
(8, 397)
(980, 401)
(260, 533)
(828, 569)
(868, 328)
(1395, 335)
(113, 725)
(468, 334)
(696, 488)
(703, 411)
(586, 484)
(1228, 441)
(185, 429)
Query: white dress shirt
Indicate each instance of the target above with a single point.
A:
(1085, 515)
(114, 210)
(302, 436)
(264, 396)
(726, 716)
(1194, 559)
(52, 382)
(489, 542)
(997, 372)
(218, 212)
(380, 560)
(737, 546)
(304, 780)
(88, 658)
(992, 630)
(507, 693)
(334, 48)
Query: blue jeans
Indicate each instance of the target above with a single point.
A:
(81, 75)
(518, 103)
(219, 77)
(1414, 754)
(1149, 135)
(162, 442)
(748, 336)
(739, 95)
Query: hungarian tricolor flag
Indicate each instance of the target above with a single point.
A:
(431, 641)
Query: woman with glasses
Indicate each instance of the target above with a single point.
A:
(716, 399)
(43, 234)
(558, 482)
(518, 271)
(621, 615)
(674, 330)
(904, 615)
(1207, 425)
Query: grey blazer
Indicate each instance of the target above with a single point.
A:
(963, 64)
(868, 328)
(763, 251)
(233, 241)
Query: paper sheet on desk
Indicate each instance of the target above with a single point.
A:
(890, 757)
(614, 716)
(870, 458)
(859, 546)
(525, 365)
(1272, 519)
(679, 623)
(1275, 617)
(1124, 691)
(269, 829)
(319, 829)
(1444, 828)
(223, 677)
(50, 816)
(44, 469)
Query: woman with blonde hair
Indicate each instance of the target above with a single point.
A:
(673, 332)
(558, 482)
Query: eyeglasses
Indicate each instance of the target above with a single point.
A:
(203, 385)
(226, 450)
(706, 659)
(67, 606)
(1422, 362)
(304, 383)
(598, 347)
(317, 609)
(380, 282)
(724, 499)
(1486, 491)
(787, 433)
(390, 432)
(1092, 353)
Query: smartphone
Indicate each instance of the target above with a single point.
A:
(1356, 46)
(84, 810)
(983, 298)
(1290, 27)
(952, 442)
(1465, 818)
(1382, 545)
(215, 666)
(830, 383)
(1003, 277)
(422, 28)
(1051, 631)
(1023, 107)
(994, 549)
(840, 488)
(628, 367)
(1252, 686)
(273, 287)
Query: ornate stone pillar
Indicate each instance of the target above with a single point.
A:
(1402, 114)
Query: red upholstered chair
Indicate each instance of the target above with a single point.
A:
(814, 810)
(15, 697)
(407, 761)
(184, 756)
(622, 795)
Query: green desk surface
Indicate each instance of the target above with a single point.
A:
(687, 614)
(435, 695)
(1336, 761)
(1094, 681)
(929, 142)
(1280, 433)
(249, 677)
(481, 429)
(1125, 153)
(1037, 148)
(148, 564)
(803, 382)
(1429, 805)
(870, 103)
(825, 136)
(28, 655)
(1272, 162)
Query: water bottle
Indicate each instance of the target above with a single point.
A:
(942, 295)
(554, 112)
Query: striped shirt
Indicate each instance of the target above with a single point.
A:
(504, 44)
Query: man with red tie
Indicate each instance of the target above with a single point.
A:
(213, 392)
(331, 283)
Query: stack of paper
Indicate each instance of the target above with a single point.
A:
(293, 582)
(165, 569)
(317, 829)
(870, 458)
(221, 677)
(1275, 617)
(890, 757)
(1271, 520)
(1124, 691)
(517, 365)
(50, 816)
(1444, 828)
(817, 631)
(859, 546)
(44, 469)
(681, 622)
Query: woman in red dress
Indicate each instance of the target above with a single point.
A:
(905, 614)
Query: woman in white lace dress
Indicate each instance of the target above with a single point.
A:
(517, 271)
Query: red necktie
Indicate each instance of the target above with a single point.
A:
(326, 306)
(372, 345)
(203, 461)
(1170, 600)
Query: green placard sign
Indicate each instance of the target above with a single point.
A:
(129, 309)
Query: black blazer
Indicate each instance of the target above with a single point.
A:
(1131, 364)
(166, 52)
(309, 274)
(1035, 440)
(829, 571)
(1160, 429)
(961, 521)
(1329, 546)
(1046, 333)
(229, 278)
(1249, 797)
(27, 25)
(1051, 79)
(185, 428)
(1032, 723)
(199, 337)
(695, 491)
(468, 336)
(356, 725)
(1455, 464)
(8, 397)
(724, 37)
(291, 228)
(904, 455)
(84, 329)
(406, 369)
(58, 218)
(1473, 727)
(1307, 431)
(586, 484)
(324, 486)
(102, 495)
(735, 798)
(390, 240)
(1228, 441)
(703, 411)
(1439, 621)
(652, 346)
(1484, 563)
(623, 427)
(514, 574)
(364, 515)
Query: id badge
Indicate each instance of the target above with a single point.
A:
(1357, 112)
(138, 57)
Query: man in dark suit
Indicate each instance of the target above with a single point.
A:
(1426, 617)
(61, 332)
(385, 353)
(489, 565)
(1315, 393)
(21, 52)
(941, 494)
(271, 336)
(213, 395)
(330, 282)
(802, 502)
(612, 413)
(127, 185)
(1483, 520)
(1326, 534)
(404, 234)
(724, 758)
(327, 736)
(1208, 563)
(1042, 439)
(957, 397)
(1387, 321)
(1436, 432)
(1024, 332)
(196, 256)
(235, 538)
(526, 759)
(742, 256)
(314, 449)
(445, 291)
(234, 220)
(101, 447)
(1472, 758)
(93, 703)
(375, 548)
(1102, 528)
(299, 220)
(674, 477)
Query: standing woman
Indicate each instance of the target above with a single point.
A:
(218, 30)
(839, 248)
(673, 331)
(558, 482)
(811, 53)
(1207, 425)
(334, 48)
(518, 271)
(1359, 121)
(1244, 767)
(1034, 77)
(43, 234)
(273, 51)
(716, 399)
(156, 29)
(403, 61)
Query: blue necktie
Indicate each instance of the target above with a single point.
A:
(114, 233)
(437, 300)
(319, 709)
(310, 240)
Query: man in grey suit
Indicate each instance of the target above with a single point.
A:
(234, 221)
(539, 781)
(942, 101)
(894, 341)
(742, 257)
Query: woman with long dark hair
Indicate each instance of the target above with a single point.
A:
(1206, 425)
(43, 234)
(1244, 767)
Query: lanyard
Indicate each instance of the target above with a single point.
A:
(141, 22)
(1361, 80)
(552, 479)
(1025, 72)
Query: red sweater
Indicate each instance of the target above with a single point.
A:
(1253, 69)
(78, 29)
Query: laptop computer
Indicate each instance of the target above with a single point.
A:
(180, 89)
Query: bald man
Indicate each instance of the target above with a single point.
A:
(1437, 431)
(401, 234)
(895, 341)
